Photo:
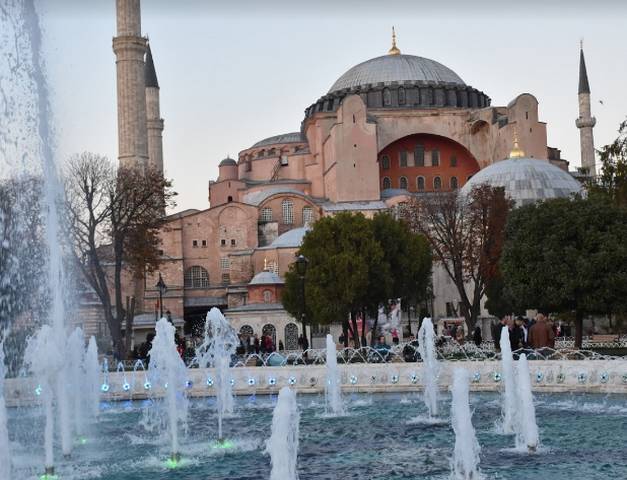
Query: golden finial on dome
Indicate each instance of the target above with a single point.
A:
(394, 50)
(516, 152)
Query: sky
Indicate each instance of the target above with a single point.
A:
(233, 73)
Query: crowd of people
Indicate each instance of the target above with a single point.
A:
(537, 333)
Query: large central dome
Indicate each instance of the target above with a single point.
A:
(396, 68)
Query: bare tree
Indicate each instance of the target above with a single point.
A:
(114, 218)
(466, 235)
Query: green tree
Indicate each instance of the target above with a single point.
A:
(612, 182)
(567, 255)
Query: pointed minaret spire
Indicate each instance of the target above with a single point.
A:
(150, 73)
(394, 50)
(586, 122)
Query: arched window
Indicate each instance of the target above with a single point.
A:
(387, 97)
(387, 183)
(437, 183)
(266, 214)
(454, 183)
(267, 296)
(402, 98)
(385, 162)
(419, 156)
(196, 277)
(420, 184)
(403, 158)
(273, 267)
(268, 329)
(287, 206)
(225, 263)
(291, 336)
(402, 183)
(435, 158)
(307, 215)
(246, 331)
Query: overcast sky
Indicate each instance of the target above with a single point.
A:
(234, 73)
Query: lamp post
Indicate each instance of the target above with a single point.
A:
(162, 289)
(301, 268)
(409, 312)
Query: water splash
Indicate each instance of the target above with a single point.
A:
(465, 462)
(527, 436)
(508, 408)
(5, 454)
(168, 369)
(91, 371)
(283, 444)
(216, 351)
(426, 347)
(333, 387)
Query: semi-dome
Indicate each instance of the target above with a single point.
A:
(526, 180)
(291, 239)
(228, 161)
(266, 277)
(292, 137)
(396, 68)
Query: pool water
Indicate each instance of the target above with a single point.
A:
(382, 437)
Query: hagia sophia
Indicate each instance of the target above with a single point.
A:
(389, 128)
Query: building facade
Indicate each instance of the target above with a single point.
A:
(388, 128)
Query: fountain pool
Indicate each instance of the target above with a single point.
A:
(582, 438)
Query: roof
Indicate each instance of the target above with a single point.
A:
(354, 206)
(396, 68)
(256, 198)
(584, 86)
(183, 213)
(266, 277)
(254, 307)
(526, 180)
(293, 137)
(291, 239)
(150, 74)
(228, 161)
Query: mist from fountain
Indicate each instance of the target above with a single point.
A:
(333, 386)
(168, 370)
(527, 435)
(465, 462)
(426, 348)
(91, 370)
(216, 351)
(5, 454)
(282, 446)
(508, 398)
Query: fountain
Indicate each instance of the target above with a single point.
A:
(333, 387)
(527, 435)
(216, 351)
(426, 348)
(464, 464)
(91, 371)
(282, 446)
(508, 399)
(168, 369)
(5, 455)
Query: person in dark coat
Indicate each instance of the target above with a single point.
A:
(476, 336)
(256, 344)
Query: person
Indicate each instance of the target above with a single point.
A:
(497, 333)
(256, 344)
(241, 348)
(382, 348)
(281, 347)
(459, 335)
(410, 350)
(395, 339)
(540, 334)
(476, 336)
(269, 344)
(301, 341)
(516, 335)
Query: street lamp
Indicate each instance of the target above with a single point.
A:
(162, 289)
(301, 268)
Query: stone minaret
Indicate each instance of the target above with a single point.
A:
(585, 123)
(130, 48)
(154, 120)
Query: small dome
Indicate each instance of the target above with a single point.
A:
(396, 68)
(266, 278)
(526, 180)
(228, 162)
(293, 137)
(292, 238)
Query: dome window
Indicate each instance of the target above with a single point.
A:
(385, 162)
(420, 184)
(454, 184)
(287, 206)
(387, 97)
(402, 97)
(402, 183)
(403, 158)
(387, 183)
(419, 156)
(435, 158)
(266, 214)
(437, 183)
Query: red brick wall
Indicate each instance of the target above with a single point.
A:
(466, 163)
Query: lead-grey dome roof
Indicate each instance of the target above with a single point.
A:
(293, 137)
(228, 161)
(266, 278)
(526, 180)
(396, 68)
